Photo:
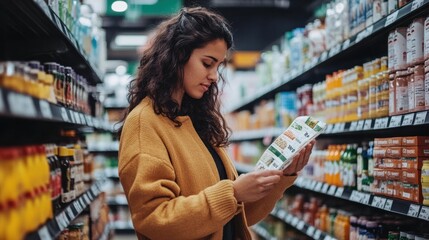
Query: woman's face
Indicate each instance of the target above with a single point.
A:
(201, 70)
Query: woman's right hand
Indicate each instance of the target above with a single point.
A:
(251, 187)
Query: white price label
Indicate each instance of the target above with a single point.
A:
(395, 121)
(355, 196)
(82, 119)
(365, 199)
(1, 101)
(420, 118)
(408, 119)
(381, 123)
(281, 214)
(346, 44)
(360, 36)
(424, 213)
(353, 126)
(332, 190)
(313, 185)
(416, 4)
(64, 115)
(72, 116)
(342, 127)
(313, 62)
(378, 202)
(325, 188)
(391, 18)
(339, 192)
(369, 30)
(388, 205)
(44, 233)
(289, 218)
(317, 234)
(87, 200)
(367, 125)
(300, 225)
(310, 231)
(61, 221)
(318, 187)
(413, 211)
(295, 221)
(21, 105)
(70, 213)
(360, 125)
(45, 109)
(329, 128)
(324, 56)
(77, 117)
(89, 121)
(77, 206)
(327, 237)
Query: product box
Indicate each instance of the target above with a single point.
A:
(413, 163)
(395, 163)
(415, 151)
(387, 174)
(411, 176)
(388, 142)
(411, 192)
(415, 141)
(282, 151)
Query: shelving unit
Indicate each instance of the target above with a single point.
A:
(300, 225)
(15, 105)
(398, 206)
(348, 49)
(53, 228)
(403, 122)
(35, 32)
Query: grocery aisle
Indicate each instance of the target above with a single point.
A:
(362, 67)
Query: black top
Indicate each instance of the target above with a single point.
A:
(228, 229)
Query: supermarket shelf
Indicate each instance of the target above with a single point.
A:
(53, 228)
(378, 124)
(375, 125)
(406, 208)
(51, 40)
(119, 200)
(263, 232)
(111, 172)
(17, 105)
(300, 225)
(256, 134)
(105, 148)
(123, 226)
(403, 207)
(354, 44)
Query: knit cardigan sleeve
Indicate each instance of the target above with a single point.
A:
(157, 208)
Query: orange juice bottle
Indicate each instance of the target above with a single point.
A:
(27, 167)
(10, 192)
(46, 204)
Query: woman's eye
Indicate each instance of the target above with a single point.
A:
(207, 65)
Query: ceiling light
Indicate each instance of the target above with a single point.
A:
(130, 40)
(121, 70)
(119, 6)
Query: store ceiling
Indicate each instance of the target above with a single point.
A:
(256, 23)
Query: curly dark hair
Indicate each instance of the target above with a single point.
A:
(161, 72)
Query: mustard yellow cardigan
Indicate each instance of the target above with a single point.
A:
(172, 185)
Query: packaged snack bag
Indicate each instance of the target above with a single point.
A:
(281, 152)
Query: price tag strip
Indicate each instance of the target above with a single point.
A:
(378, 202)
(408, 119)
(416, 4)
(360, 125)
(21, 105)
(332, 190)
(391, 18)
(388, 205)
(367, 125)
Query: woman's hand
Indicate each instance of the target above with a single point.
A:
(299, 161)
(251, 187)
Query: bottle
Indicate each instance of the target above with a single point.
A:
(65, 175)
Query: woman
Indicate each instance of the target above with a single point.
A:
(178, 179)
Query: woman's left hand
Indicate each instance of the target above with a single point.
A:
(300, 160)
